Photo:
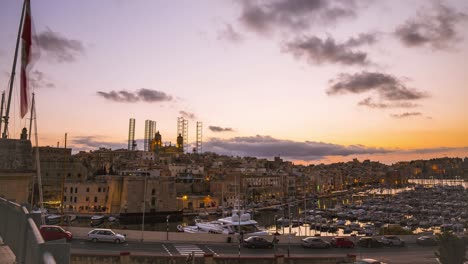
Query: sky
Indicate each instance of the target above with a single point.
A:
(309, 80)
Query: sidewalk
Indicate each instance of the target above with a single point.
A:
(6, 255)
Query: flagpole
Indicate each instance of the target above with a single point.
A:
(12, 77)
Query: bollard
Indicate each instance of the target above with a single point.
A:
(125, 258)
(208, 258)
(279, 259)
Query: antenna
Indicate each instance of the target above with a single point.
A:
(182, 129)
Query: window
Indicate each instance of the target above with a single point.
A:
(99, 189)
(87, 198)
(76, 190)
(103, 189)
(153, 192)
(79, 175)
(71, 189)
(87, 189)
(69, 175)
(64, 190)
(153, 201)
(64, 198)
(75, 199)
(95, 199)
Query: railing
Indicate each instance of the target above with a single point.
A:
(19, 231)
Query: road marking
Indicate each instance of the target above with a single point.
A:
(167, 250)
(184, 249)
(212, 251)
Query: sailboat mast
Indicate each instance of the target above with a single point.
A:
(13, 69)
(1, 111)
(30, 120)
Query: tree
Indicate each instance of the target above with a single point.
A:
(451, 249)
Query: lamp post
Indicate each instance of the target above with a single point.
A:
(167, 227)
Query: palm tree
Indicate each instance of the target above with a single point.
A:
(451, 249)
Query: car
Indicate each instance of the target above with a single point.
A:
(257, 242)
(53, 232)
(342, 242)
(368, 261)
(369, 242)
(426, 241)
(391, 240)
(108, 235)
(314, 242)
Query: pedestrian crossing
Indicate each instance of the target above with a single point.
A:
(186, 249)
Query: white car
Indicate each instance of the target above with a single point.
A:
(392, 241)
(108, 235)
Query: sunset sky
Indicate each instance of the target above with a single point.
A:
(309, 80)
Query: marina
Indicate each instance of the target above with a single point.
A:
(413, 209)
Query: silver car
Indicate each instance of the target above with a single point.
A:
(314, 242)
(392, 241)
(108, 235)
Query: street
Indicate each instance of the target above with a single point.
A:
(409, 254)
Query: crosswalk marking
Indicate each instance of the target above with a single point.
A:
(188, 249)
(214, 253)
(167, 250)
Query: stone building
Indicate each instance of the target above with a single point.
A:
(16, 169)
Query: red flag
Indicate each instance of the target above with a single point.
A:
(25, 58)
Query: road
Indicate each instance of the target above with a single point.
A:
(409, 254)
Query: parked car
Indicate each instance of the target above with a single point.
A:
(257, 242)
(342, 242)
(369, 242)
(392, 241)
(99, 234)
(314, 242)
(53, 232)
(426, 241)
(368, 261)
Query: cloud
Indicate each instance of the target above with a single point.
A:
(318, 51)
(296, 15)
(436, 27)
(267, 146)
(58, 47)
(83, 143)
(368, 102)
(187, 115)
(406, 115)
(386, 86)
(220, 129)
(229, 34)
(39, 80)
(145, 95)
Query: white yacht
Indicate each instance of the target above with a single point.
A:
(226, 225)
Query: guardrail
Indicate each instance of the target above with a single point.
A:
(19, 231)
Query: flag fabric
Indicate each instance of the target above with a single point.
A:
(25, 58)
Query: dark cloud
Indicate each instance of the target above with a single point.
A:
(220, 129)
(266, 146)
(436, 150)
(387, 86)
(94, 142)
(145, 95)
(187, 115)
(297, 15)
(436, 28)
(39, 80)
(369, 102)
(229, 34)
(406, 114)
(150, 96)
(58, 47)
(318, 51)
